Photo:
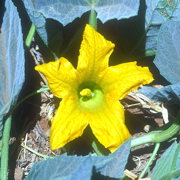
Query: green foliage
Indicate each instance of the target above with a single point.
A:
(167, 58)
(65, 11)
(157, 13)
(167, 167)
(65, 167)
(167, 94)
(11, 60)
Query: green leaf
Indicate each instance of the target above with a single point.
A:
(65, 167)
(167, 167)
(11, 60)
(167, 94)
(157, 13)
(65, 11)
(167, 58)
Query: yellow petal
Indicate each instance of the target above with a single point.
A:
(68, 123)
(118, 81)
(61, 76)
(94, 54)
(108, 125)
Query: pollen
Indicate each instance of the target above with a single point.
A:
(86, 92)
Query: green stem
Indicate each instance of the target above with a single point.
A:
(6, 136)
(150, 160)
(99, 149)
(31, 94)
(30, 35)
(93, 19)
(96, 149)
(160, 136)
(34, 152)
(150, 53)
(54, 55)
(5, 148)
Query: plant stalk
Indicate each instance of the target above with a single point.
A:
(30, 95)
(93, 19)
(6, 136)
(30, 35)
(150, 160)
(158, 136)
(5, 149)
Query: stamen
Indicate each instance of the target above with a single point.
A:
(86, 92)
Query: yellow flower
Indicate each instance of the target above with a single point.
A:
(91, 93)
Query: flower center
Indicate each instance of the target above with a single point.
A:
(90, 96)
(86, 92)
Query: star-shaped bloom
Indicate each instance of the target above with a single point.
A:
(90, 93)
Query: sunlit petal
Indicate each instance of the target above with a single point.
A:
(108, 125)
(119, 80)
(61, 76)
(94, 54)
(68, 123)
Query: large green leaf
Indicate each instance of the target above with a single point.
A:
(65, 11)
(167, 58)
(65, 167)
(157, 13)
(11, 59)
(167, 94)
(167, 167)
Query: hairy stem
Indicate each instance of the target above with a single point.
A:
(158, 136)
(30, 95)
(5, 149)
(150, 160)
(30, 35)
(93, 19)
